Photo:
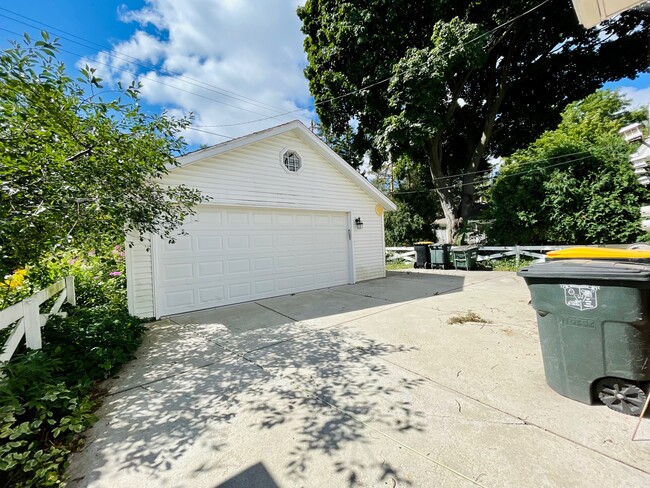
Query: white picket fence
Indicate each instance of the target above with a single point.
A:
(27, 319)
(484, 252)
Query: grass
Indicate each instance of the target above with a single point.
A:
(506, 264)
(468, 317)
(397, 265)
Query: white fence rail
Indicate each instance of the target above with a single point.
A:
(27, 319)
(485, 253)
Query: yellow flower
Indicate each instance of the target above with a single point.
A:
(16, 279)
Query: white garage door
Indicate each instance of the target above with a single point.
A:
(233, 255)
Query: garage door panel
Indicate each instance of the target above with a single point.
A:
(178, 272)
(284, 220)
(210, 295)
(236, 255)
(264, 286)
(239, 290)
(284, 263)
(238, 242)
(263, 264)
(209, 243)
(210, 269)
(303, 282)
(237, 218)
(338, 220)
(179, 299)
(263, 219)
(304, 221)
(182, 244)
(286, 241)
(238, 266)
(285, 284)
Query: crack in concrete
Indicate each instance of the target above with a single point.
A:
(525, 421)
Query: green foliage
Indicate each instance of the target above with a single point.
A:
(513, 73)
(40, 419)
(46, 396)
(506, 264)
(404, 226)
(397, 265)
(417, 205)
(100, 277)
(96, 343)
(76, 169)
(573, 185)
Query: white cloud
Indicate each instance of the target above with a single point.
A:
(227, 61)
(640, 96)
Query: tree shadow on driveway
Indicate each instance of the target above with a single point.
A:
(299, 406)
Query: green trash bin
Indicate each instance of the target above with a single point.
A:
(464, 257)
(594, 328)
(440, 255)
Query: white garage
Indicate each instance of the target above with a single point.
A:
(285, 215)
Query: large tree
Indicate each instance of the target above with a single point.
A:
(74, 166)
(573, 185)
(451, 82)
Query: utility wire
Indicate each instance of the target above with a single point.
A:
(264, 118)
(139, 62)
(501, 176)
(387, 79)
(458, 175)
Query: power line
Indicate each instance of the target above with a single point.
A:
(386, 80)
(264, 118)
(500, 176)
(138, 62)
(528, 162)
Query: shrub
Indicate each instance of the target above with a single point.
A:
(46, 396)
(100, 275)
(40, 420)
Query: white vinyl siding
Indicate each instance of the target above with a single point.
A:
(252, 176)
(139, 277)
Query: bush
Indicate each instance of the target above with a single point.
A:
(100, 275)
(92, 343)
(46, 397)
(40, 420)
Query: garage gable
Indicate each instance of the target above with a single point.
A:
(285, 137)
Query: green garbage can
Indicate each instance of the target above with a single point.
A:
(440, 255)
(593, 319)
(464, 257)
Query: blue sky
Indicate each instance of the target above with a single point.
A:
(236, 64)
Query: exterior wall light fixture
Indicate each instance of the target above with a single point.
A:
(358, 223)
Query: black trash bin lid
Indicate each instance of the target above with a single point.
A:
(587, 270)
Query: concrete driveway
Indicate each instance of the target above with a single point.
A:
(360, 385)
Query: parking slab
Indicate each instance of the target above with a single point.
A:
(358, 385)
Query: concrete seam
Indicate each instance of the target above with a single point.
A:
(525, 422)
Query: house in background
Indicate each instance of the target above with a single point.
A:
(286, 215)
(640, 160)
(593, 12)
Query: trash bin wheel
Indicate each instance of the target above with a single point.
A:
(621, 395)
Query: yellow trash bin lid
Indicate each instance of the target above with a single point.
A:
(422, 243)
(606, 253)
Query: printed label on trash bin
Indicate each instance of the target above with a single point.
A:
(581, 297)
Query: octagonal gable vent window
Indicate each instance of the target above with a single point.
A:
(292, 161)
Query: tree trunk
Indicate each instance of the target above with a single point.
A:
(442, 187)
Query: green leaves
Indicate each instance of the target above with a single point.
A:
(75, 169)
(574, 185)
